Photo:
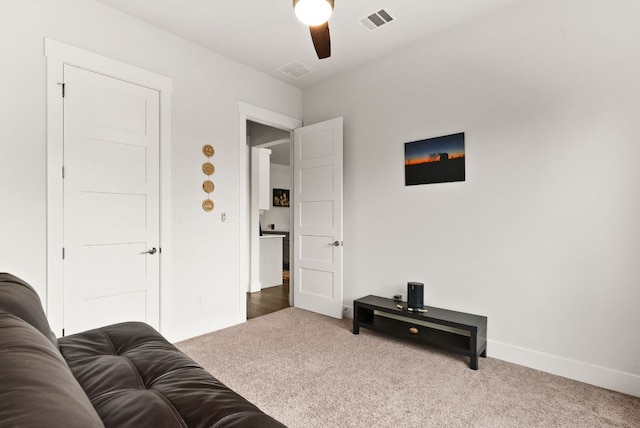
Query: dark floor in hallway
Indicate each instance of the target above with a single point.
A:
(268, 300)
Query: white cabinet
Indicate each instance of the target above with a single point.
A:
(270, 260)
(260, 176)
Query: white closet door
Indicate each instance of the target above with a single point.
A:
(111, 201)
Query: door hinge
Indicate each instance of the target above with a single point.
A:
(63, 88)
(63, 171)
(62, 253)
(63, 332)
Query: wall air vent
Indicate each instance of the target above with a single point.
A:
(295, 69)
(376, 20)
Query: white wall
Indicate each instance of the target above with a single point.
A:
(543, 236)
(280, 217)
(206, 91)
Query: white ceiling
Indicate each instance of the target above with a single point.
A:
(265, 34)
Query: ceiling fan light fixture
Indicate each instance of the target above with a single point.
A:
(313, 12)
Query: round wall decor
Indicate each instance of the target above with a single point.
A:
(207, 150)
(208, 168)
(208, 205)
(208, 186)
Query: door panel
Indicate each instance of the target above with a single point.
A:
(124, 266)
(112, 211)
(315, 248)
(116, 111)
(113, 161)
(111, 201)
(317, 170)
(317, 283)
(317, 144)
(99, 311)
(317, 214)
(317, 179)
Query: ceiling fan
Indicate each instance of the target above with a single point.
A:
(316, 13)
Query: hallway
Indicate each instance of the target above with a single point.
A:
(268, 300)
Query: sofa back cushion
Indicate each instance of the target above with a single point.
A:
(37, 387)
(20, 299)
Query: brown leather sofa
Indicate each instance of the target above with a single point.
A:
(122, 375)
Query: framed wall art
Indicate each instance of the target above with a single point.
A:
(280, 197)
(434, 160)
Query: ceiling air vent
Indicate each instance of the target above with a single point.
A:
(295, 69)
(376, 20)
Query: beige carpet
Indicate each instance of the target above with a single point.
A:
(307, 370)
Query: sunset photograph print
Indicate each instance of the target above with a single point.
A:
(434, 160)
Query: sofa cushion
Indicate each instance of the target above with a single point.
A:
(20, 299)
(37, 388)
(135, 378)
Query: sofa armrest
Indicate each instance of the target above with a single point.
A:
(38, 389)
(20, 299)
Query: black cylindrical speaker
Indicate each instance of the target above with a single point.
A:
(415, 295)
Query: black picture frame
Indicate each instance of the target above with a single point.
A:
(280, 198)
(435, 160)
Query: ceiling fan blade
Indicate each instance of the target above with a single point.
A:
(321, 40)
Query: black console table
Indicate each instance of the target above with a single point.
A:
(458, 332)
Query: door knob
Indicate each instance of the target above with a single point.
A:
(335, 243)
(151, 251)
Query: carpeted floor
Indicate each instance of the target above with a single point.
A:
(308, 371)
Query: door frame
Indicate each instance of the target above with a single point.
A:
(266, 117)
(57, 54)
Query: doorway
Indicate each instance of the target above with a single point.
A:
(268, 300)
(249, 219)
(271, 291)
(316, 200)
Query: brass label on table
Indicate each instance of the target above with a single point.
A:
(207, 150)
(208, 168)
(208, 186)
(208, 205)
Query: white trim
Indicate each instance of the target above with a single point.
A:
(627, 383)
(267, 117)
(58, 54)
(273, 143)
(179, 331)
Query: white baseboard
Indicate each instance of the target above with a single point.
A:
(627, 383)
(186, 330)
(255, 286)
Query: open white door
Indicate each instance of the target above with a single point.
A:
(317, 255)
(111, 201)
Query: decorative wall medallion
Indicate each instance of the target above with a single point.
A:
(207, 205)
(208, 168)
(207, 150)
(208, 186)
